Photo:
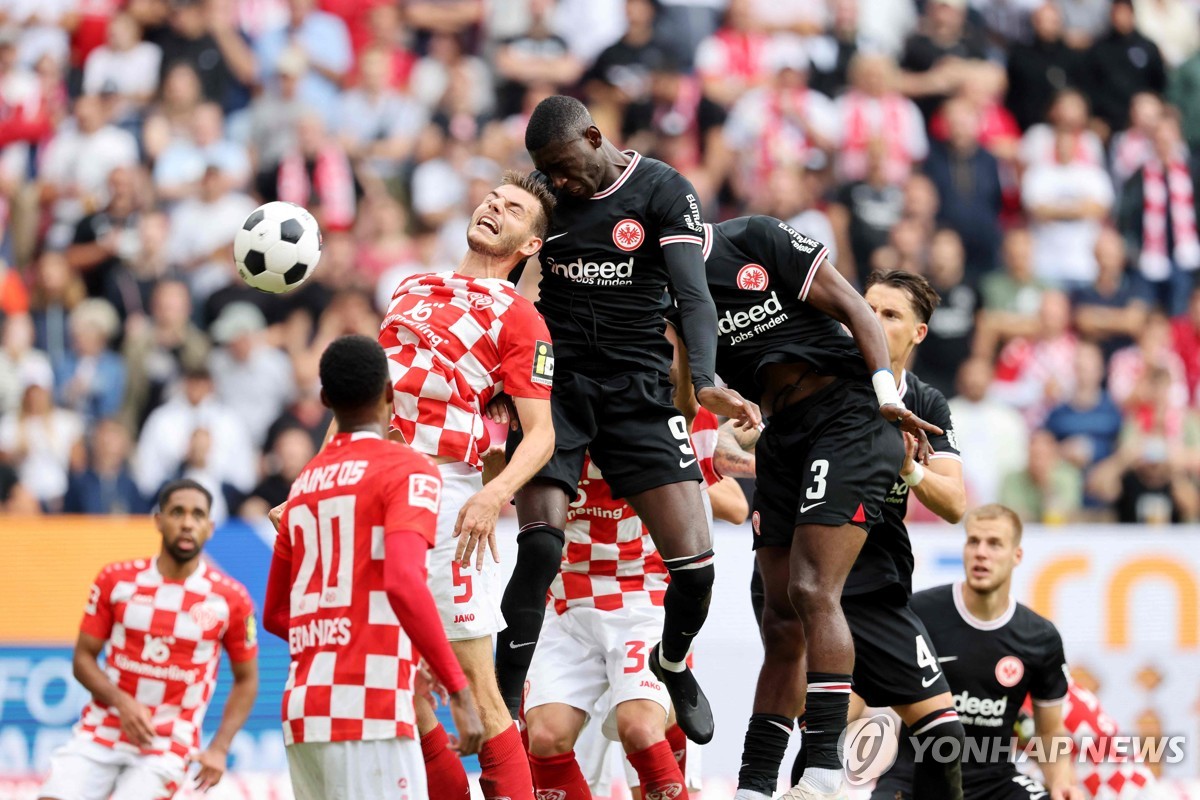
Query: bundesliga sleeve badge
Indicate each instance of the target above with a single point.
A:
(543, 363)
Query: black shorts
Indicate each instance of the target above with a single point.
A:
(637, 438)
(829, 459)
(996, 783)
(894, 661)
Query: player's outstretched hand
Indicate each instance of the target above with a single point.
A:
(212, 768)
(467, 725)
(502, 411)
(276, 514)
(728, 403)
(911, 423)
(135, 721)
(477, 524)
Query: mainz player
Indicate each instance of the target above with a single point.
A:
(347, 590)
(161, 624)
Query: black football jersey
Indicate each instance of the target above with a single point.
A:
(991, 667)
(886, 557)
(759, 274)
(604, 278)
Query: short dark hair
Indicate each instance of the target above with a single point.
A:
(924, 298)
(164, 494)
(540, 191)
(354, 372)
(556, 119)
(997, 511)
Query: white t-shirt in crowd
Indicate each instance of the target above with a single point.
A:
(1063, 251)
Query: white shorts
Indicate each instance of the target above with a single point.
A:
(83, 770)
(468, 601)
(379, 769)
(586, 656)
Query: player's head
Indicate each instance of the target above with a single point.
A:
(993, 547)
(565, 146)
(903, 302)
(512, 220)
(355, 383)
(184, 518)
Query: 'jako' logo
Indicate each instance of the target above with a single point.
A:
(869, 747)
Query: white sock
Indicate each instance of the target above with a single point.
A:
(746, 794)
(823, 780)
(670, 666)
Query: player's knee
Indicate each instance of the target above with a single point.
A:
(811, 597)
(640, 724)
(693, 576)
(547, 740)
(783, 634)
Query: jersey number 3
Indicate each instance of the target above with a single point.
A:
(329, 538)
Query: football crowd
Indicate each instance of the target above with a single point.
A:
(1033, 160)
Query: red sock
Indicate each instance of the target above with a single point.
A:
(678, 741)
(443, 768)
(554, 774)
(658, 772)
(505, 767)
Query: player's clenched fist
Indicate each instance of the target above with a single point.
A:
(466, 723)
(728, 403)
(477, 523)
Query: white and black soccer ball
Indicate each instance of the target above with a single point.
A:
(277, 248)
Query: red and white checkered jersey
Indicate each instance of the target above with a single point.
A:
(163, 644)
(352, 667)
(453, 342)
(1105, 775)
(609, 560)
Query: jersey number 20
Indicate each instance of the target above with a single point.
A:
(328, 537)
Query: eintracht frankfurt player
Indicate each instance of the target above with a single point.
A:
(825, 462)
(161, 624)
(592, 657)
(625, 226)
(994, 651)
(348, 591)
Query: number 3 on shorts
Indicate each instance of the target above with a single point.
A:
(820, 468)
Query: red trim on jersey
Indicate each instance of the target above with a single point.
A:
(629, 168)
(860, 515)
(812, 272)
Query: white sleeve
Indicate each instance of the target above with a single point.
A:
(709, 58)
(918, 143)
(824, 118)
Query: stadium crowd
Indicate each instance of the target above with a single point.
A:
(1035, 159)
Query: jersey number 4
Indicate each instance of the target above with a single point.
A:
(327, 537)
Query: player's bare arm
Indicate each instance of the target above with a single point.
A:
(939, 487)
(135, 717)
(1057, 772)
(477, 519)
(729, 501)
(735, 450)
(212, 760)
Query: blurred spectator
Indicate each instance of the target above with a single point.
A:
(885, 25)
(194, 435)
(106, 485)
(907, 248)
(130, 283)
(1088, 422)
(76, 165)
(202, 35)
(952, 326)
(777, 125)
(682, 25)
(620, 75)
(791, 195)
(1185, 338)
(1012, 297)
(1066, 201)
(126, 66)
(289, 455)
(91, 379)
(27, 117)
(434, 74)
(1109, 313)
(316, 175)
(39, 439)
(1170, 24)
(386, 33)
(1049, 489)
(537, 55)
(830, 54)
(109, 235)
(863, 213)
(986, 425)
(325, 43)
(272, 119)
(1133, 147)
(982, 91)
(1035, 374)
(1039, 70)
(56, 290)
(1084, 21)
(14, 296)
(587, 26)
(253, 379)
(1183, 92)
(383, 242)
(202, 231)
(873, 110)
(1154, 350)
(735, 58)
(1120, 65)
(171, 118)
(180, 167)
(378, 125)
(1067, 117)
(1157, 217)
(156, 351)
(934, 55)
(17, 353)
(15, 499)
(1156, 490)
(967, 178)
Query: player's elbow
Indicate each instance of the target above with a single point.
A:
(956, 507)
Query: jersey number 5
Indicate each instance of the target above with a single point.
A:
(329, 538)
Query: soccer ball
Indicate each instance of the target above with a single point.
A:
(277, 248)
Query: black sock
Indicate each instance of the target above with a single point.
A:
(802, 756)
(938, 778)
(685, 606)
(539, 555)
(766, 739)
(825, 709)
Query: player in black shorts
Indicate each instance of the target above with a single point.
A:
(624, 229)
(894, 664)
(994, 651)
(825, 462)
